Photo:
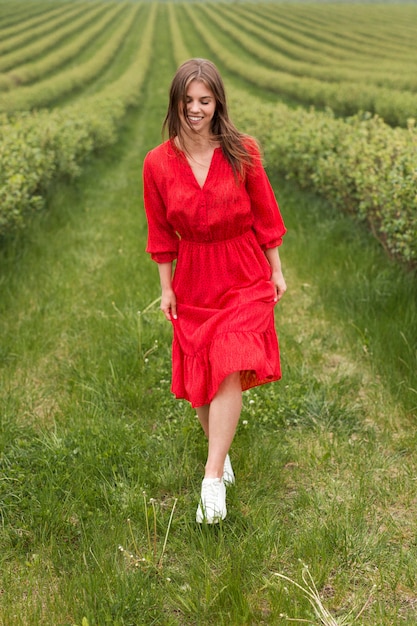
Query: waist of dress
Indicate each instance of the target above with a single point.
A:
(216, 242)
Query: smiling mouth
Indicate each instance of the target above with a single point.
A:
(193, 118)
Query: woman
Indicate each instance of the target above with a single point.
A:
(211, 208)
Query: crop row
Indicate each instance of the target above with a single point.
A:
(345, 98)
(70, 24)
(37, 147)
(278, 53)
(299, 42)
(15, 15)
(15, 37)
(388, 22)
(301, 38)
(349, 24)
(362, 165)
(46, 91)
(37, 69)
(338, 43)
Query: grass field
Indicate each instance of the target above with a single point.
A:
(101, 467)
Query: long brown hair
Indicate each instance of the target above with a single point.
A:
(233, 143)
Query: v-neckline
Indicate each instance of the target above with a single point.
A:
(201, 187)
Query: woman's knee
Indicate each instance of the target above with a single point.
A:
(231, 381)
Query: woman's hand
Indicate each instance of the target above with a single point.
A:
(277, 277)
(279, 283)
(169, 304)
(168, 299)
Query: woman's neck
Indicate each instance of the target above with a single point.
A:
(195, 143)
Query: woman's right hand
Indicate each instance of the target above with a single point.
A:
(169, 304)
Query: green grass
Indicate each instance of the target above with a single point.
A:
(325, 460)
(357, 287)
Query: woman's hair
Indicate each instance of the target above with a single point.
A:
(234, 144)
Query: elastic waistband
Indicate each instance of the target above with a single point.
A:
(216, 241)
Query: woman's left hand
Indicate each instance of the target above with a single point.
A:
(278, 280)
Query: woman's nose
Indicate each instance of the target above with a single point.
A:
(194, 106)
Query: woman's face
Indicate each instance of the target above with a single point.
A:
(200, 107)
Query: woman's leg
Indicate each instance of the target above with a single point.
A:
(222, 420)
(219, 420)
(203, 416)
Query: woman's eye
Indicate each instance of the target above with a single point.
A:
(204, 102)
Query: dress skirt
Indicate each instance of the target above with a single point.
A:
(225, 317)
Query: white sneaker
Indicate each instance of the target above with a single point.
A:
(212, 506)
(228, 473)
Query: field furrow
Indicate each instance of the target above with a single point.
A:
(387, 22)
(55, 143)
(358, 164)
(180, 51)
(84, 39)
(325, 35)
(346, 98)
(44, 92)
(343, 35)
(44, 25)
(124, 62)
(29, 53)
(12, 15)
(259, 56)
(296, 54)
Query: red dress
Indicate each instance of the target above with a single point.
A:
(225, 298)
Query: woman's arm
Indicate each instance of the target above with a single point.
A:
(162, 239)
(168, 300)
(268, 224)
(277, 277)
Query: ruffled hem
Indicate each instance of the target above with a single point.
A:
(196, 378)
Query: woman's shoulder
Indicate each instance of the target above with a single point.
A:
(251, 145)
(253, 159)
(159, 154)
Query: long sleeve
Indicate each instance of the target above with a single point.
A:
(162, 242)
(268, 224)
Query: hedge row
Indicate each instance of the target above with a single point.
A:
(345, 98)
(36, 148)
(299, 60)
(13, 14)
(46, 91)
(346, 27)
(27, 53)
(360, 164)
(30, 29)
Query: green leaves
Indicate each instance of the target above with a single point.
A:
(37, 147)
(362, 165)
